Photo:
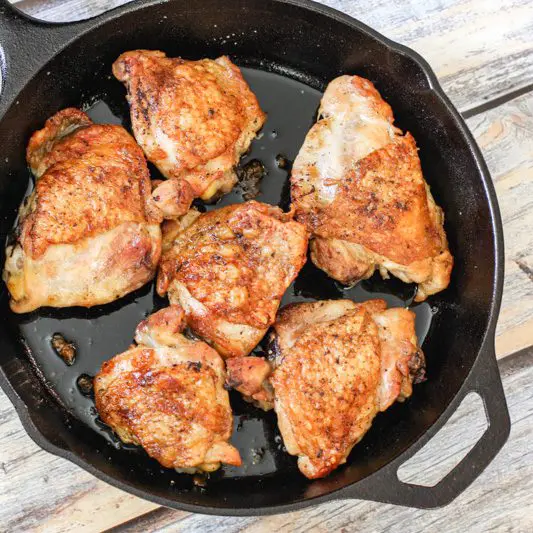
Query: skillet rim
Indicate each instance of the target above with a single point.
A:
(486, 346)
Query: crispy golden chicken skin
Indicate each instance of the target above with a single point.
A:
(357, 184)
(88, 234)
(193, 119)
(335, 365)
(167, 395)
(229, 269)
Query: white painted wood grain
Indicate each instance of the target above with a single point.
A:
(505, 135)
(480, 49)
(66, 10)
(42, 492)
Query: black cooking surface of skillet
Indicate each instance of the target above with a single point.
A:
(102, 332)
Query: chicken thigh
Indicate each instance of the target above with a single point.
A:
(335, 365)
(167, 395)
(88, 234)
(229, 269)
(357, 184)
(193, 119)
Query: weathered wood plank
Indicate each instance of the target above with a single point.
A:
(505, 134)
(67, 10)
(41, 492)
(480, 50)
(498, 501)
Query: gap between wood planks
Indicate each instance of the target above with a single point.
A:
(492, 104)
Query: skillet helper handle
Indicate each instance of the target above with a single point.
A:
(384, 486)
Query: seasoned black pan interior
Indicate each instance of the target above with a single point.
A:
(287, 63)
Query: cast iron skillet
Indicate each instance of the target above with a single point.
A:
(290, 49)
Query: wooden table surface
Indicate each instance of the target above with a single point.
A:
(482, 52)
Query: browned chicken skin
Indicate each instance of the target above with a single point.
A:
(336, 365)
(229, 269)
(167, 395)
(193, 119)
(88, 234)
(357, 184)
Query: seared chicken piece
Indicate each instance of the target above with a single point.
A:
(167, 395)
(357, 184)
(336, 365)
(88, 234)
(229, 270)
(193, 119)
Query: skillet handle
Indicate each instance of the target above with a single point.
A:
(384, 486)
